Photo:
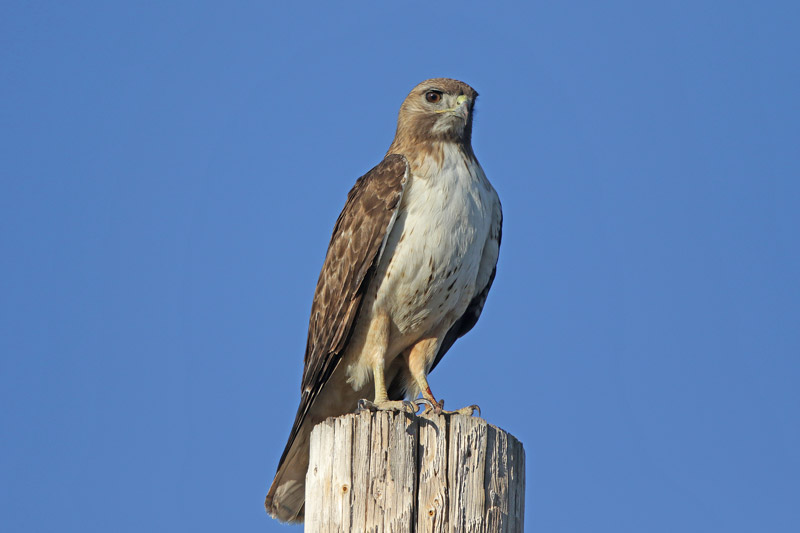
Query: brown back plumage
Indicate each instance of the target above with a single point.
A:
(356, 242)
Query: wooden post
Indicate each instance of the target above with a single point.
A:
(394, 472)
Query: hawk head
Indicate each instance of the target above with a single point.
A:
(439, 109)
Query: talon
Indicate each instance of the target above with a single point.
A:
(468, 411)
(435, 408)
(429, 406)
(386, 405)
(366, 405)
(422, 402)
(465, 411)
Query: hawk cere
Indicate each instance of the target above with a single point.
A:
(410, 262)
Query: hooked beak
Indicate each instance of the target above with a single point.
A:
(461, 108)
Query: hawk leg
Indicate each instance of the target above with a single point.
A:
(418, 357)
(382, 401)
(377, 345)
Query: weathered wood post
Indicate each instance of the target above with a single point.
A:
(394, 472)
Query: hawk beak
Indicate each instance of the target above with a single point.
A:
(461, 108)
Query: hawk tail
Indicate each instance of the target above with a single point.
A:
(287, 496)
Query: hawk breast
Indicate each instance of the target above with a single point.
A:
(433, 254)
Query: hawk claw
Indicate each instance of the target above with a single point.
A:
(422, 402)
(365, 405)
(414, 407)
(405, 406)
(465, 411)
(468, 411)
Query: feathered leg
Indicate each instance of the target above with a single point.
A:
(377, 345)
(419, 358)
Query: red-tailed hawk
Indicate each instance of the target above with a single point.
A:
(409, 265)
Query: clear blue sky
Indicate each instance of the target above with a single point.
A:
(171, 173)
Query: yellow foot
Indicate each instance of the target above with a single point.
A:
(386, 405)
(438, 409)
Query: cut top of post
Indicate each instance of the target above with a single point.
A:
(392, 471)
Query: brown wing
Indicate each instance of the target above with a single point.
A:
(357, 241)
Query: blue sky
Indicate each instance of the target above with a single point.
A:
(171, 173)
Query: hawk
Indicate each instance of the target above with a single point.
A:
(410, 262)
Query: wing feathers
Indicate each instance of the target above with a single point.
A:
(358, 238)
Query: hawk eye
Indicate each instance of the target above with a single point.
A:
(433, 96)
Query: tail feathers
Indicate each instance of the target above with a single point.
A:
(286, 501)
(287, 496)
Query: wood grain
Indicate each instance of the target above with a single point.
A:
(394, 472)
